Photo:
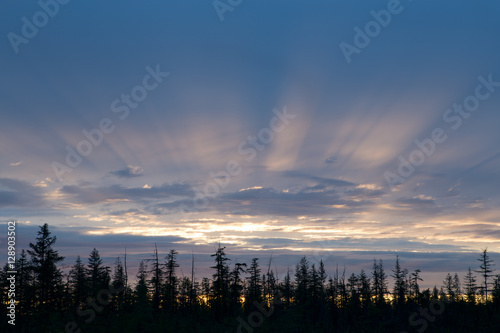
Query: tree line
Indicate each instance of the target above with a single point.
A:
(241, 297)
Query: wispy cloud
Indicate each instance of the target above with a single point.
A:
(18, 193)
(92, 195)
(129, 172)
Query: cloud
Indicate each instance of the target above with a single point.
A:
(323, 196)
(311, 200)
(92, 195)
(417, 201)
(127, 212)
(16, 164)
(128, 172)
(322, 180)
(331, 160)
(17, 193)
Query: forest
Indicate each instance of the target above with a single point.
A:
(240, 297)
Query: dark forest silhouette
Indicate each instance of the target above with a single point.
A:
(241, 297)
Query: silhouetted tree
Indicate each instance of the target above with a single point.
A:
(456, 286)
(206, 290)
(220, 284)
(4, 284)
(156, 280)
(414, 286)
(400, 284)
(48, 277)
(236, 285)
(322, 280)
(485, 269)
(448, 287)
(269, 283)
(184, 292)
(287, 289)
(119, 286)
(254, 290)
(364, 288)
(78, 283)
(141, 289)
(470, 286)
(25, 280)
(496, 291)
(143, 312)
(435, 293)
(302, 281)
(352, 287)
(171, 281)
(98, 275)
(379, 279)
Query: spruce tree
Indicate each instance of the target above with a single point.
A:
(25, 278)
(287, 289)
(171, 280)
(78, 283)
(141, 288)
(236, 285)
(470, 286)
(220, 284)
(379, 279)
(485, 269)
(456, 286)
(400, 284)
(98, 275)
(414, 287)
(254, 290)
(302, 280)
(364, 288)
(48, 277)
(118, 284)
(156, 281)
(448, 287)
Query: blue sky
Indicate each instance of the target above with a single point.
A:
(313, 183)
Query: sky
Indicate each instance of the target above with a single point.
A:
(340, 130)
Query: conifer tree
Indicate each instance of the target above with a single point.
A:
(496, 291)
(156, 280)
(302, 281)
(287, 289)
(118, 284)
(254, 290)
(171, 280)
(25, 284)
(78, 283)
(470, 286)
(352, 287)
(48, 277)
(364, 288)
(379, 279)
(236, 284)
(414, 286)
(400, 284)
(98, 275)
(457, 287)
(448, 287)
(220, 284)
(485, 269)
(141, 289)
